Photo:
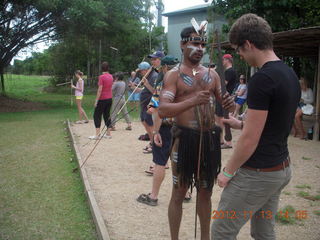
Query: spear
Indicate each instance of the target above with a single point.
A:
(61, 84)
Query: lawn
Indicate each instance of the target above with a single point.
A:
(40, 196)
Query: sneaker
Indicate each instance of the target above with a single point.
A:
(145, 198)
(94, 137)
(85, 121)
(129, 128)
(107, 136)
(78, 122)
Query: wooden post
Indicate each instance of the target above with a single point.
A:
(317, 103)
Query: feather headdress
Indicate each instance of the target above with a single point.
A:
(200, 30)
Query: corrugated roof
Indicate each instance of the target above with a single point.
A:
(198, 8)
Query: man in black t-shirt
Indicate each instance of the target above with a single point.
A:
(259, 167)
(231, 80)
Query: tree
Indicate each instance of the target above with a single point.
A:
(282, 15)
(25, 23)
(79, 29)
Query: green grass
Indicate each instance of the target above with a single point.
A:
(303, 194)
(307, 196)
(31, 88)
(286, 193)
(40, 196)
(286, 215)
(303, 186)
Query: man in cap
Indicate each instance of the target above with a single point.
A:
(145, 96)
(187, 95)
(161, 136)
(156, 59)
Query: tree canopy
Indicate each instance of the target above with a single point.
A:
(84, 33)
(281, 15)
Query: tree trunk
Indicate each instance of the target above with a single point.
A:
(3, 91)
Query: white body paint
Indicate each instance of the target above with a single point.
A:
(169, 95)
(195, 49)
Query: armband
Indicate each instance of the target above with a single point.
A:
(228, 175)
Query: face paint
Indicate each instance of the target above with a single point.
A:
(186, 79)
(169, 95)
(194, 50)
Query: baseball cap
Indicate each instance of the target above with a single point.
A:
(227, 56)
(157, 54)
(144, 66)
(169, 60)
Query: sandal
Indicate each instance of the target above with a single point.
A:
(144, 137)
(148, 150)
(225, 146)
(129, 128)
(150, 171)
(148, 146)
(145, 198)
(188, 197)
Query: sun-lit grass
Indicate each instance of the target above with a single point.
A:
(40, 196)
(61, 100)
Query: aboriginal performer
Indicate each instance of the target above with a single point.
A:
(188, 95)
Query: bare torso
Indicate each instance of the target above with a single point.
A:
(188, 83)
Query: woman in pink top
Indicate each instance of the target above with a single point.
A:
(103, 102)
(79, 95)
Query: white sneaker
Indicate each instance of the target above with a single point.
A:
(107, 136)
(94, 137)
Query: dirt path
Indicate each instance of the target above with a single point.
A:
(116, 173)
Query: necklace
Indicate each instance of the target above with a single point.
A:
(194, 72)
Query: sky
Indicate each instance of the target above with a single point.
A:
(169, 6)
(173, 5)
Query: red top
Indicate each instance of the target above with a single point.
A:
(105, 80)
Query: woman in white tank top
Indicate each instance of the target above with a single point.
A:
(79, 95)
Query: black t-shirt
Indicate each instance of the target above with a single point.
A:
(146, 95)
(274, 88)
(231, 78)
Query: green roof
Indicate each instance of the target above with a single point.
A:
(198, 8)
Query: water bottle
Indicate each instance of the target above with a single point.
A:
(310, 133)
